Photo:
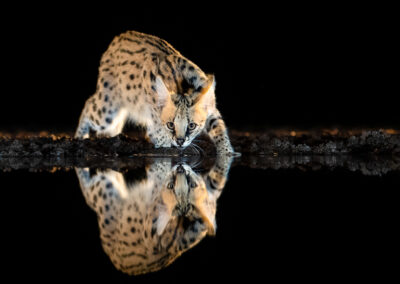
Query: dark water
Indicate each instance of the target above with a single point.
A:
(283, 223)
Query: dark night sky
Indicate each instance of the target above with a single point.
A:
(300, 70)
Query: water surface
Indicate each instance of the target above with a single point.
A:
(179, 219)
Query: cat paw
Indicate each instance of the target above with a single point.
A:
(228, 151)
(162, 145)
(230, 154)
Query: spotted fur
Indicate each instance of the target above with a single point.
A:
(143, 79)
(145, 226)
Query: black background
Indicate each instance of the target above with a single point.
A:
(298, 68)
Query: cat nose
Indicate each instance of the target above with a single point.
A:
(180, 141)
(180, 169)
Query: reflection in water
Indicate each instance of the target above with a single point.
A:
(146, 225)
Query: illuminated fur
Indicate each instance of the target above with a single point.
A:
(143, 79)
(145, 226)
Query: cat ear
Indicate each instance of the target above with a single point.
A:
(206, 97)
(165, 210)
(162, 92)
(208, 217)
(163, 219)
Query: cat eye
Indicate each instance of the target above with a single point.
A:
(193, 185)
(170, 185)
(192, 126)
(170, 125)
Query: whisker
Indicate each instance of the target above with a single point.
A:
(194, 149)
(195, 162)
(197, 146)
(201, 151)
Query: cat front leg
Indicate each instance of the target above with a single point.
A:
(216, 129)
(218, 175)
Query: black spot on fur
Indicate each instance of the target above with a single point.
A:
(161, 74)
(126, 51)
(131, 40)
(153, 231)
(159, 46)
(185, 87)
(140, 50)
(108, 120)
(152, 77)
(128, 87)
(192, 80)
(199, 89)
(105, 84)
(106, 98)
(133, 230)
(131, 76)
(212, 186)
